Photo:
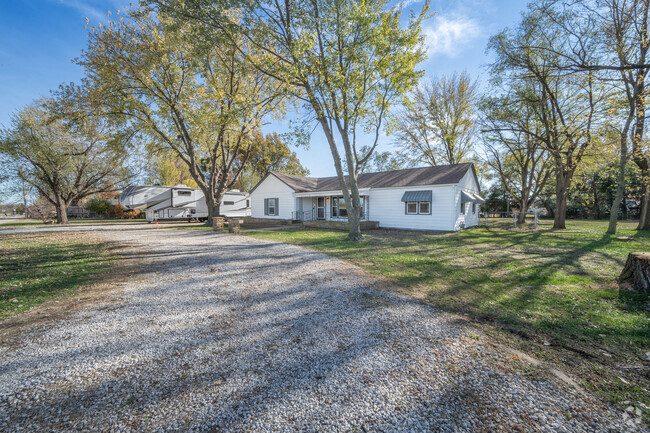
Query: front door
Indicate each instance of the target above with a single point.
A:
(320, 208)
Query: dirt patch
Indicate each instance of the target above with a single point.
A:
(127, 269)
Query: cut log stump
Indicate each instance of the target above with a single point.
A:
(636, 273)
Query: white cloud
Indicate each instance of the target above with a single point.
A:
(89, 8)
(449, 36)
(406, 3)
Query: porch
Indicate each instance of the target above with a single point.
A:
(326, 207)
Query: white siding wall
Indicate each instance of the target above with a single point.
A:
(272, 187)
(386, 206)
(467, 184)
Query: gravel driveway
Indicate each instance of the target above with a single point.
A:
(229, 333)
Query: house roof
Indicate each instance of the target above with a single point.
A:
(438, 175)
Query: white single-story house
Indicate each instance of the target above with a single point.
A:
(444, 197)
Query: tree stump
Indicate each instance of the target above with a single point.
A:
(234, 226)
(217, 223)
(636, 273)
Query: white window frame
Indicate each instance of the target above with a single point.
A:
(275, 207)
(414, 203)
(418, 208)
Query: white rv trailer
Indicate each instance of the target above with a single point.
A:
(180, 202)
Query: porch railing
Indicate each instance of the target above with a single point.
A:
(307, 215)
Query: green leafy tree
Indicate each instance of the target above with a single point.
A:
(64, 158)
(99, 205)
(271, 153)
(346, 61)
(167, 168)
(202, 102)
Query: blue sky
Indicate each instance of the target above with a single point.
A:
(39, 38)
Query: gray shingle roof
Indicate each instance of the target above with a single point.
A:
(438, 175)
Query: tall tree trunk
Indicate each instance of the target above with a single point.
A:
(217, 199)
(620, 185)
(350, 190)
(563, 183)
(640, 159)
(354, 229)
(559, 222)
(644, 217)
(209, 201)
(523, 208)
(61, 211)
(354, 214)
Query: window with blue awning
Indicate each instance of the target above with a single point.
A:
(417, 196)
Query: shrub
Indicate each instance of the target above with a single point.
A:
(43, 210)
(116, 211)
(132, 214)
(99, 205)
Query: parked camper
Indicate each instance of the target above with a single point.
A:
(180, 202)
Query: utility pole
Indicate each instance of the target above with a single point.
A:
(24, 199)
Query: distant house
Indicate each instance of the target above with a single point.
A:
(444, 197)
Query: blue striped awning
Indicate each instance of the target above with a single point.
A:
(417, 196)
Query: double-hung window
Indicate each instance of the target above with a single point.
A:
(418, 208)
(271, 206)
(417, 202)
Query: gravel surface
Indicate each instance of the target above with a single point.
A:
(228, 333)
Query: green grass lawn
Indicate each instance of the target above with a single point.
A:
(33, 222)
(549, 288)
(37, 267)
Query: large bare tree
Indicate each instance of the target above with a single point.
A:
(608, 40)
(66, 158)
(567, 105)
(437, 125)
(515, 152)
